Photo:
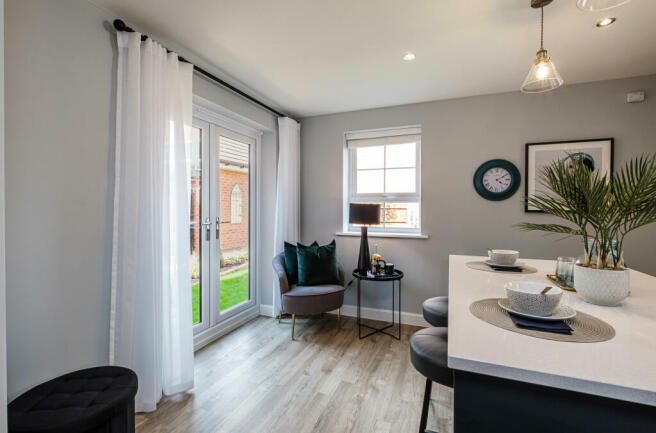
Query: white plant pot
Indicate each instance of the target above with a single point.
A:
(601, 286)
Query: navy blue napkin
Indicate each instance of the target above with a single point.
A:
(558, 327)
(505, 268)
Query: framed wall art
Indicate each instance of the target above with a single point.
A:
(596, 153)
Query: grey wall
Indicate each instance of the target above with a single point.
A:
(59, 74)
(457, 136)
(60, 67)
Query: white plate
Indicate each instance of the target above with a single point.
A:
(516, 265)
(563, 312)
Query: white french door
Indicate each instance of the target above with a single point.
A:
(221, 225)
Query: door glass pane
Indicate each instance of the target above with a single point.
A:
(194, 224)
(234, 158)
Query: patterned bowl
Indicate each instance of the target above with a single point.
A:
(503, 257)
(525, 297)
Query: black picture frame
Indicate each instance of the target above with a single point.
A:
(527, 169)
(516, 179)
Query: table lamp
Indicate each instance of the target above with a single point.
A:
(364, 214)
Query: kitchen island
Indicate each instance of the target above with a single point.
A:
(509, 382)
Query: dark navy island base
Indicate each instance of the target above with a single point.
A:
(489, 404)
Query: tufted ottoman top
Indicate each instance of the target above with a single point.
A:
(74, 402)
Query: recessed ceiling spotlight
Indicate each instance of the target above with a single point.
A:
(409, 56)
(605, 22)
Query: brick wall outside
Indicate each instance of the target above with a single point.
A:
(232, 235)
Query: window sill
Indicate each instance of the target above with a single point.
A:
(386, 235)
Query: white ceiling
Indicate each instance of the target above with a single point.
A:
(322, 56)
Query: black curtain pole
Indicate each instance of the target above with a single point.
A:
(120, 26)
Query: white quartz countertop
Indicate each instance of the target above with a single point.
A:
(623, 368)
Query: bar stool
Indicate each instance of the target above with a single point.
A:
(436, 310)
(428, 354)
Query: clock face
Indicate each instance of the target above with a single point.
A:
(497, 179)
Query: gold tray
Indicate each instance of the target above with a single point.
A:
(557, 282)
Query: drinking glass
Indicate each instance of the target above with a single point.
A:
(565, 270)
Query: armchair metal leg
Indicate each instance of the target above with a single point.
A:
(279, 316)
(339, 317)
(293, 323)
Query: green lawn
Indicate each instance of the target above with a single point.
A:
(234, 290)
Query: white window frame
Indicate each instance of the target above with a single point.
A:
(377, 137)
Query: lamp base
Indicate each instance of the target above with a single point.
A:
(364, 257)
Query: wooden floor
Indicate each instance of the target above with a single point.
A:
(256, 379)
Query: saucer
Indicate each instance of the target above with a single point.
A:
(563, 312)
(489, 262)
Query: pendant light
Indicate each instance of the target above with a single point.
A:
(543, 75)
(599, 5)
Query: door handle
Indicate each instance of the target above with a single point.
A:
(207, 225)
(218, 223)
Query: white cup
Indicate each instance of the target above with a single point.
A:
(503, 257)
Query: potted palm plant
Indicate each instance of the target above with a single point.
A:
(602, 211)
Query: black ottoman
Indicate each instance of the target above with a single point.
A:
(94, 400)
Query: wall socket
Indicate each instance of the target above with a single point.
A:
(632, 97)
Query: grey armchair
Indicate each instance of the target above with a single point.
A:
(306, 300)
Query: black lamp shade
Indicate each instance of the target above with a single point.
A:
(364, 213)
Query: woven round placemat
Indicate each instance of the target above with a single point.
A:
(586, 328)
(481, 266)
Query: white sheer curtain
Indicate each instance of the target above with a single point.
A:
(288, 192)
(150, 316)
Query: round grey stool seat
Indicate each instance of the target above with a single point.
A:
(428, 353)
(436, 310)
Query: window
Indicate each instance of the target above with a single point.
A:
(235, 205)
(383, 166)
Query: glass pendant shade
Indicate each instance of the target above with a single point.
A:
(599, 5)
(543, 75)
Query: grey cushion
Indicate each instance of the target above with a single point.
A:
(428, 353)
(313, 299)
(436, 310)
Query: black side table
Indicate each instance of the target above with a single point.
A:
(396, 276)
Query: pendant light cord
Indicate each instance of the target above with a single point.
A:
(541, 28)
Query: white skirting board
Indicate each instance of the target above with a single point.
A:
(266, 310)
(367, 313)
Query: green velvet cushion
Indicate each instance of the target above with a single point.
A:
(291, 262)
(317, 264)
